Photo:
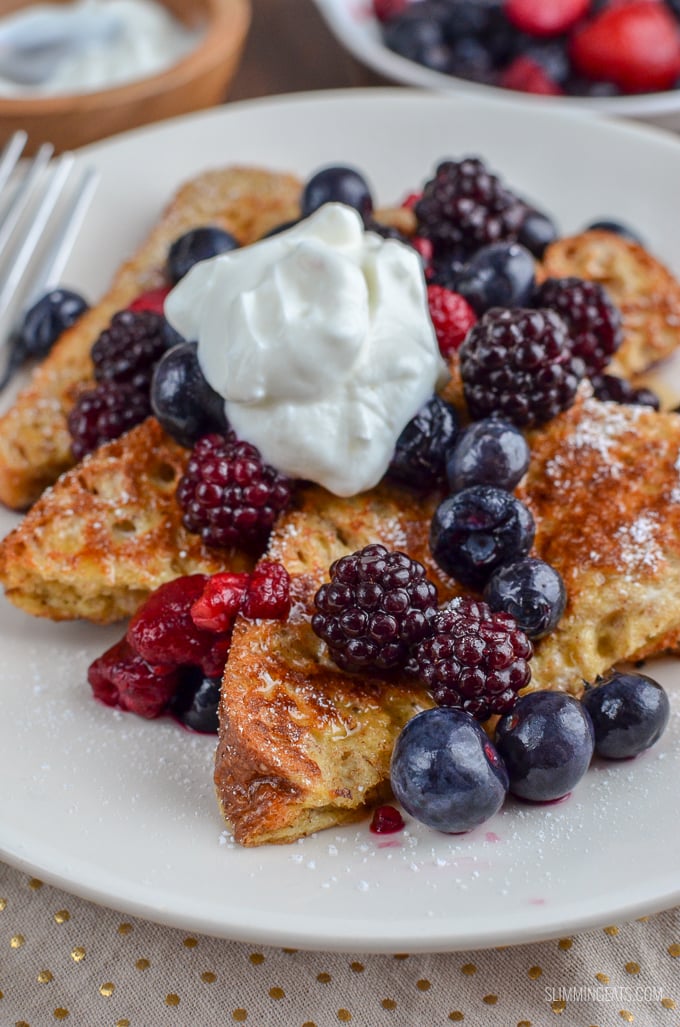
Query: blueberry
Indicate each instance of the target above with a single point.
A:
(196, 701)
(478, 529)
(537, 232)
(547, 744)
(552, 55)
(532, 591)
(337, 184)
(466, 19)
(196, 245)
(40, 328)
(418, 34)
(185, 405)
(498, 275)
(420, 453)
(171, 336)
(488, 452)
(470, 59)
(629, 713)
(48, 318)
(446, 773)
(386, 231)
(618, 228)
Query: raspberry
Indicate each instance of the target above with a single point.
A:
(424, 248)
(163, 631)
(545, 17)
(268, 594)
(410, 201)
(611, 388)
(635, 45)
(120, 677)
(228, 494)
(474, 660)
(263, 594)
(518, 363)
(376, 606)
(528, 76)
(220, 601)
(104, 413)
(465, 207)
(129, 349)
(593, 321)
(452, 317)
(152, 299)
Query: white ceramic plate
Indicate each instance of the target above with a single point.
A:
(355, 26)
(122, 811)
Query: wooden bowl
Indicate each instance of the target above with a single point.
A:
(200, 79)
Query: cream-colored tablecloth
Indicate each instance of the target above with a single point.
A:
(64, 960)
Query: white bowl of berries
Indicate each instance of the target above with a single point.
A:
(617, 57)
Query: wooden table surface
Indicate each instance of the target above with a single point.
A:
(290, 49)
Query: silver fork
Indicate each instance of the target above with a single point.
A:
(44, 206)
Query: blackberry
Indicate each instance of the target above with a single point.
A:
(103, 413)
(611, 388)
(519, 364)
(228, 494)
(420, 454)
(474, 660)
(129, 349)
(377, 605)
(594, 323)
(465, 207)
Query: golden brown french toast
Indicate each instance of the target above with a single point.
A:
(108, 533)
(645, 291)
(35, 445)
(303, 746)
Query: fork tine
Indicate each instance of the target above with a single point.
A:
(48, 202)
(65, 234)
(10, 155)
(24, 192)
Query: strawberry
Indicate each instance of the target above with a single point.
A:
(545, 17)
(452, 317)
(635, 45)
(528, 76)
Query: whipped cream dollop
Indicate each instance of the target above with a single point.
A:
(320, 341)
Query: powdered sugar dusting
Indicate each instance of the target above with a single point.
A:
(599, 431)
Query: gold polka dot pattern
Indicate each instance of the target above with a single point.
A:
(68, 961)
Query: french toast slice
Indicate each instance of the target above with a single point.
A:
(108, 533)
(303, 746)
(645, 291)
(35, 446)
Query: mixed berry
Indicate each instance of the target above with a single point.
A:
(551, 47)
(521, 347)
(174, 651)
